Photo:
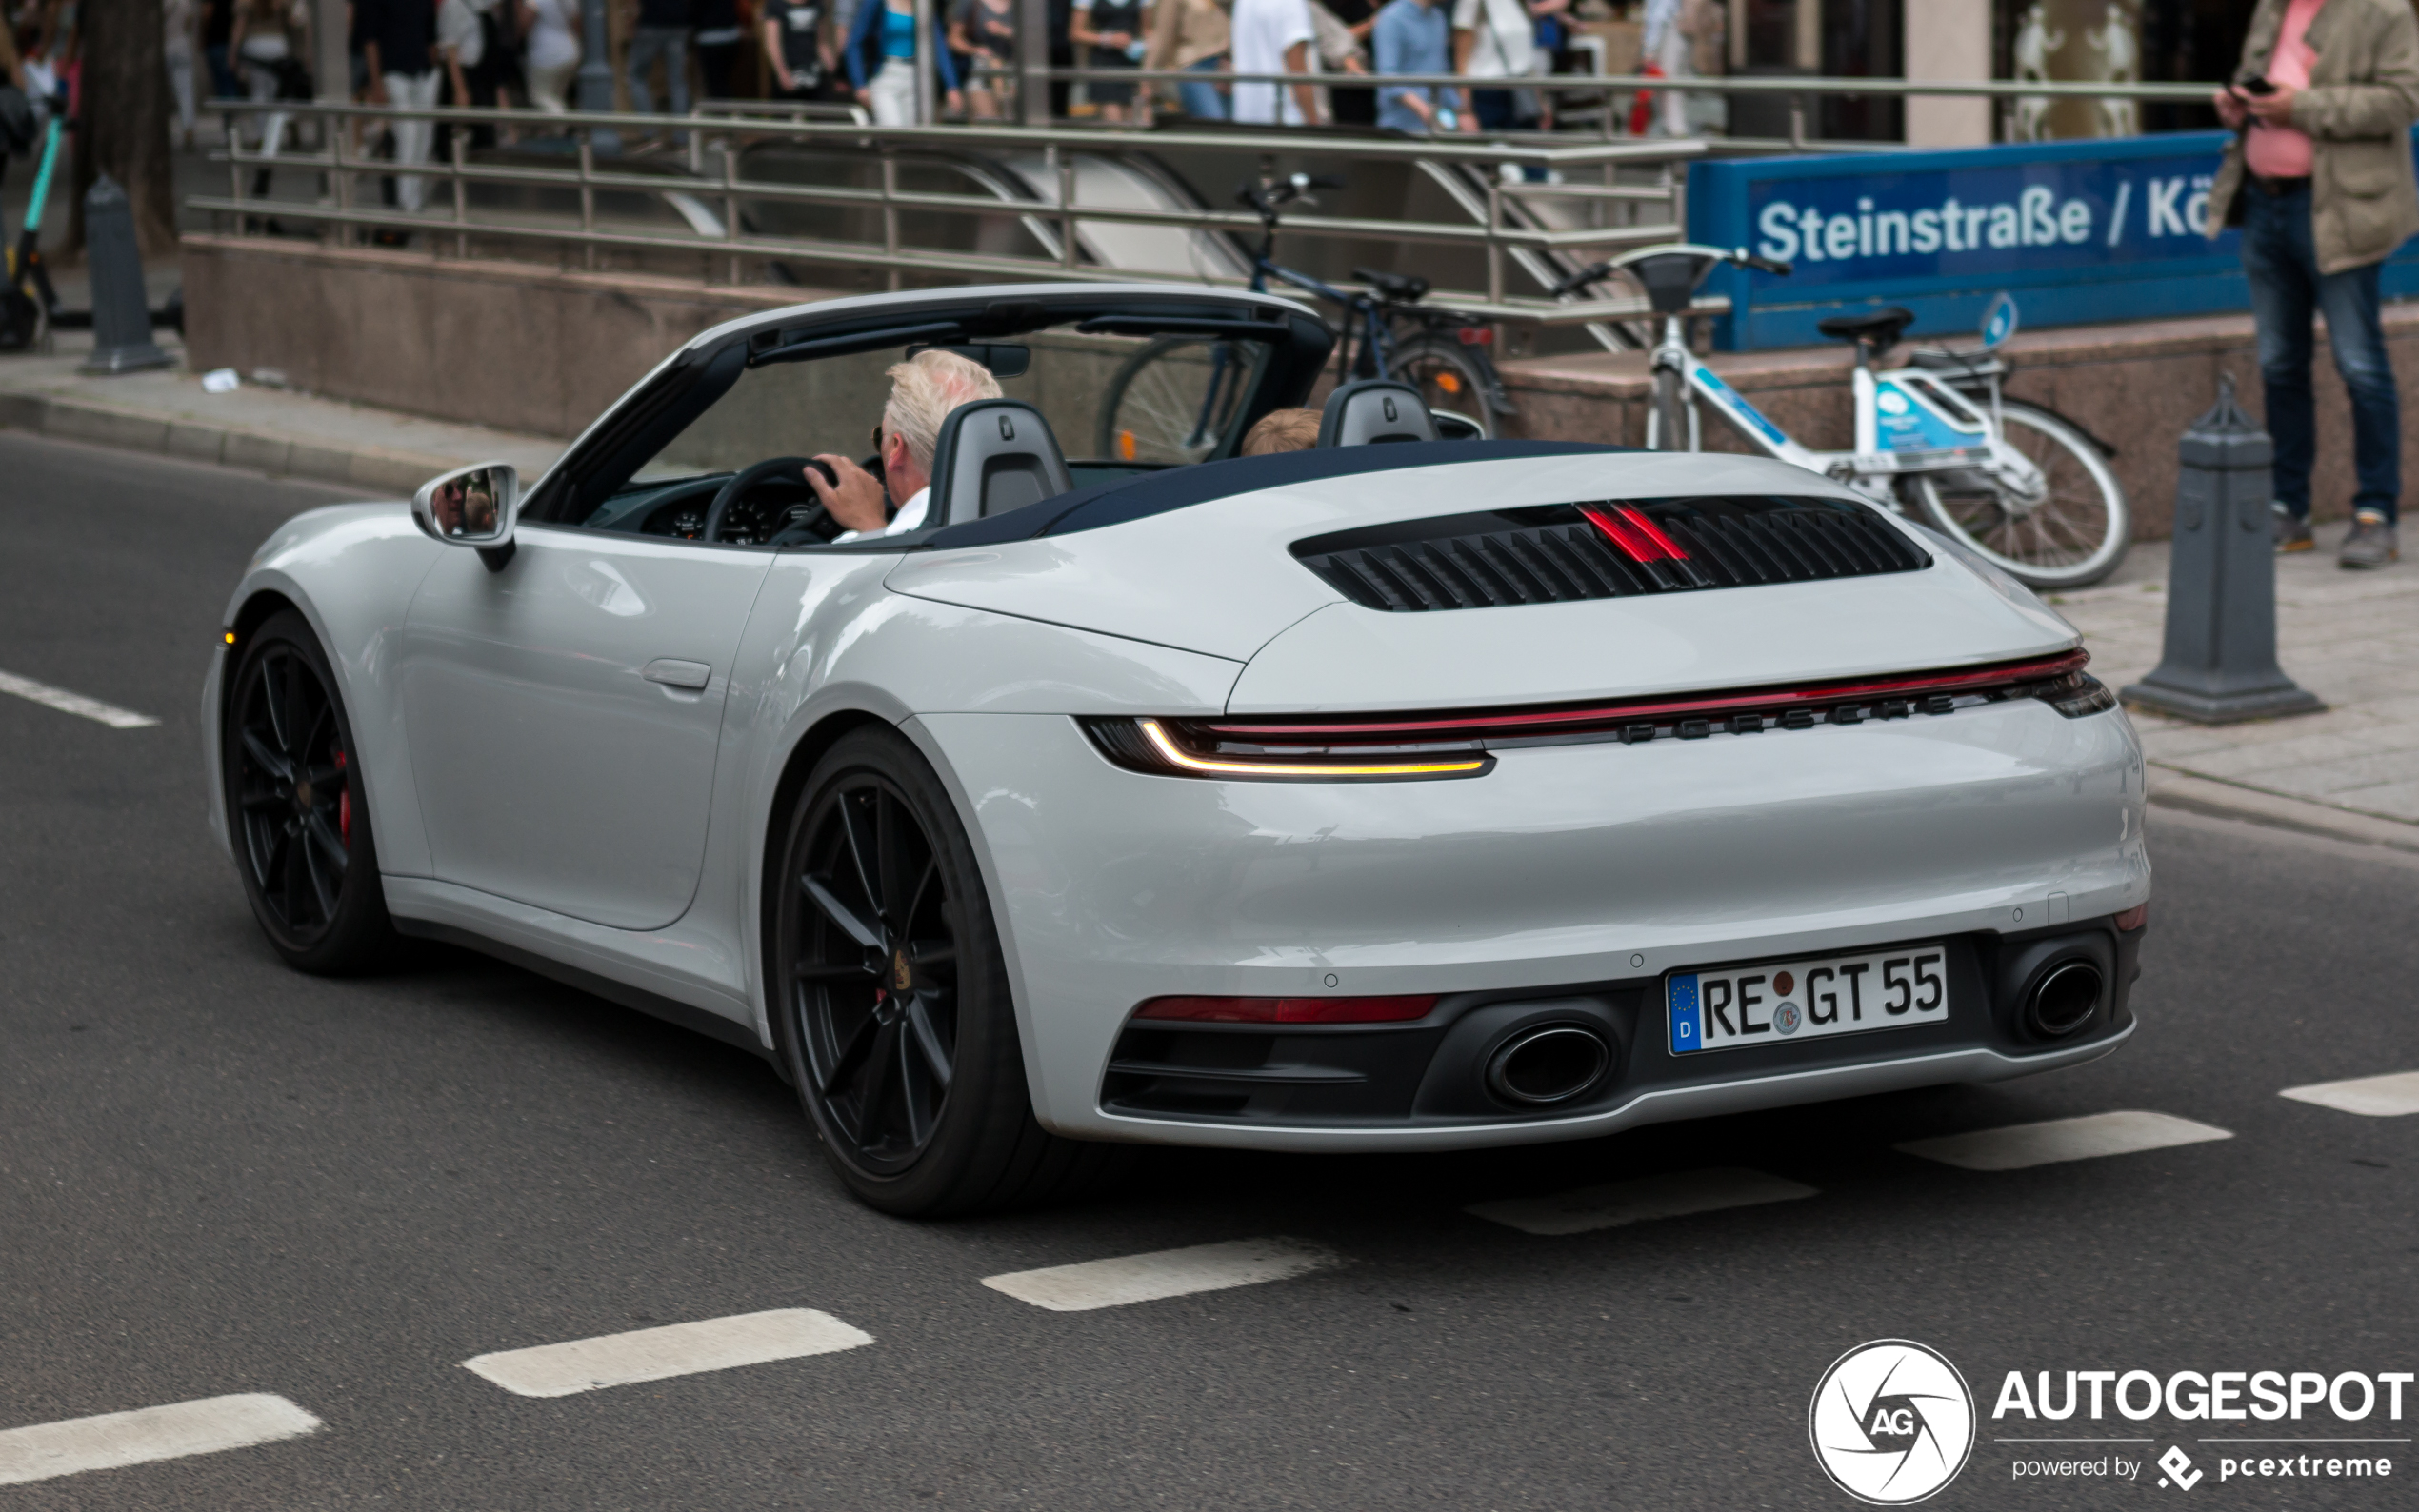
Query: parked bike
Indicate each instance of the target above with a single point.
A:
(1177, 399)
(2023, 488)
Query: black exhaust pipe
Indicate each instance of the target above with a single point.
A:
(1553, 1062)
(2063, 999)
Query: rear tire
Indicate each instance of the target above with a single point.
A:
(1447, 378)
(890, 1000)
(1177, 400)
(2073, 538)
(301, 837)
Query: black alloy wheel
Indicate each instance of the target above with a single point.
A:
(874, 983)
(301, 837)
(890, 995)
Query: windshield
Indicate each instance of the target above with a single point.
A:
(1120, 400)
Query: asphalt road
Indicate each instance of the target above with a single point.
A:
(218, 1177)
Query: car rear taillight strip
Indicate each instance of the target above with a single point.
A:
(1398, 749)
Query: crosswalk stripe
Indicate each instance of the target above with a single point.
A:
(677, 1349)
(2372, 1096)
(2063, 1139)
(1641, 1200)
(67, 703)
(1165, 1273)
(172, 1432)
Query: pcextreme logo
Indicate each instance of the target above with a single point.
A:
(1891, 1421)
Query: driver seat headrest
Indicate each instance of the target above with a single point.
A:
(1374, 411)
(995, 455)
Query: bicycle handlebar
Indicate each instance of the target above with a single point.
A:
(1739, 256)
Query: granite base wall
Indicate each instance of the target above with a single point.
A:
(525, 347)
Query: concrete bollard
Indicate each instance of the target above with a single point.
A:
(2219, 664)
(121, 308)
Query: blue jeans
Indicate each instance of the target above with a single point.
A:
(2286, 289)
(1202, 101)
(647, 44)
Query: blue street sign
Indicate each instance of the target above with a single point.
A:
(2080, 231)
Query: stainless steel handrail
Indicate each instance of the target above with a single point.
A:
(726, 245)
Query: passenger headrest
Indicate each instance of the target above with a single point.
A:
(1374, 409)
(995, 455)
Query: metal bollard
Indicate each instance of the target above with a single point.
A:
(2219, 664)
(121, 308)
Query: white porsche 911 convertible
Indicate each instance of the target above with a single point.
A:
(1423, 795)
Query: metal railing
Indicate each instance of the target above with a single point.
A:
(341, 162)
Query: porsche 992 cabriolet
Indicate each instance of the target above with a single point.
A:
(1416, 790)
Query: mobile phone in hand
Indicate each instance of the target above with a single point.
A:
(2257, 83)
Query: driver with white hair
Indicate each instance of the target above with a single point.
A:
(924, 389)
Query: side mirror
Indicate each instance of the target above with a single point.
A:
(1450, 426)
(473, 507)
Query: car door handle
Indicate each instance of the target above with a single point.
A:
(691, 675)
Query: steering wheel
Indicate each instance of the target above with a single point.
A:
(738, 488)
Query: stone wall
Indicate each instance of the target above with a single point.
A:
(523, 347)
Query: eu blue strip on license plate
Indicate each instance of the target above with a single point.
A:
(1685, 1034)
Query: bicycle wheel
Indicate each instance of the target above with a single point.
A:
(1667, 414)
(1445, 376)
(1178, 399)
(2075, 534)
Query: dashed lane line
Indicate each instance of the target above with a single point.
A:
(2063, 1139)
(116, 1439)
(67, 703)
(658, 1354)
(2370, 1096)
(1641, 1200)
(1130, 1278)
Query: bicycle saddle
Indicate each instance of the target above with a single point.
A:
(1881, 326)
(1403, 288)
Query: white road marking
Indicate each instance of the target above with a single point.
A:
(2063, 1139)
(1165, 1273)
(115, 1438)
(1641, 1200)
(67, 703)
(2374, 1096)
(677, 1349)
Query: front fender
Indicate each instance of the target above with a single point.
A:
(352, 571)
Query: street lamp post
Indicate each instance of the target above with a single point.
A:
(596, 72)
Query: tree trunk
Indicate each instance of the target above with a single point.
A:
(122, 118)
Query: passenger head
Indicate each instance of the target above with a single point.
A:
(1283, 430)
(924, 389)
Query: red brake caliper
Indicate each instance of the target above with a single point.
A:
(344, 807)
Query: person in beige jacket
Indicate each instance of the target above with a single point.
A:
(2319, 177)
(1191, 35)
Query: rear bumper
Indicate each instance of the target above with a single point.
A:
(1600, 865)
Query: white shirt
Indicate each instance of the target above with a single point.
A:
(911, 517)
(553, 43)
(1506, 47)
(458, 28)
(1263, 29)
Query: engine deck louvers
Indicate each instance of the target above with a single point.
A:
(1561, 553)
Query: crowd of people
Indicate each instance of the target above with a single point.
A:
(527, 54)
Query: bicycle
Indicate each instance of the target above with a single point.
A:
(1178, 399)
(2026, 489)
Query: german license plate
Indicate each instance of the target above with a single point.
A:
(1727, 1007)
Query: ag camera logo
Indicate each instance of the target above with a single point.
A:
(1891, 1421)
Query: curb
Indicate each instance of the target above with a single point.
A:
(376, 469)
(2224, 800)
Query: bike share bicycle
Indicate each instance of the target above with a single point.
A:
(1177, 400)
(2027, 491)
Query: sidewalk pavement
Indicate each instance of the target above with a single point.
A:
(2352, 638)
(259, 427)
